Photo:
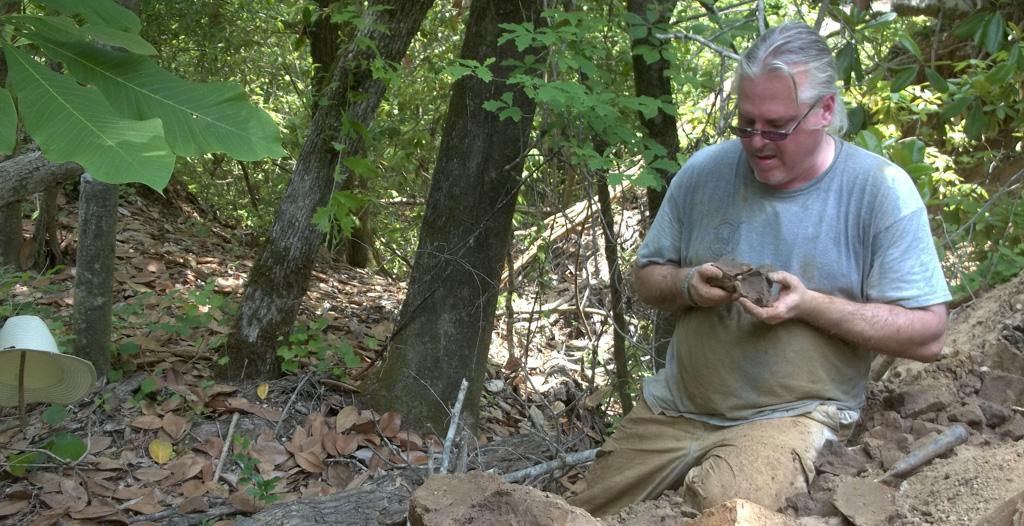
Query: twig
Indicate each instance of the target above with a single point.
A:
(569, 460)
(21, 392)
(700, 40)
(224, 449)
(290, 402)
(452, 426)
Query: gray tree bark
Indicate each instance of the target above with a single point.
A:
(444, 326)
(94, 275)
(281, 274)
(10, 234)
(30, 173)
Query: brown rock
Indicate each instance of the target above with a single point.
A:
(995, 414)
(836, 459)
(1014, 429)
(1002, 388)
(924, 398)
(969, 413)
(739, 512)
(1008, 513)
(865, 502)
(483, 498)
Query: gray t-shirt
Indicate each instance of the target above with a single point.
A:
(859, 231)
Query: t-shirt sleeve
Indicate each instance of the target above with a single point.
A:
(664, 239)
(905, 268)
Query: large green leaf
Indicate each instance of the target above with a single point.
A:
(65, 29)
(100, 12)
(8, 123)
(75, 123)
(198, 118)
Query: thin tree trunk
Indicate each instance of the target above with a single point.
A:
(94, 276)
(652, 80)
(611, 254)
(10, 234)
(44, 236)
(281, 275)
(444, 327)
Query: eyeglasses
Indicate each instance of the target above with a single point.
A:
(771, 135)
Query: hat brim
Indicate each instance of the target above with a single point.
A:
(49, 377)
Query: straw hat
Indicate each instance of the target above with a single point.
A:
(49, 375)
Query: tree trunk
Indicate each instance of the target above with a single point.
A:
(44, 237)
(280, 276)
(444, 326)
(94, 276)
(611, 253)
(10, 235)
(653, 81)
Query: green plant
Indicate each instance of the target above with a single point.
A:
(308, 343)
(260, 488)
(64, 446)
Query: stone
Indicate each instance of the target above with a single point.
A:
(484, 498)
(1001, 356)
(812, 504)
(923, 398)
(1002, 388)
(920, 428)
(995, 414)
(969, 413)
(836, 459)
(1010, 512)
(739, 512)
(865, 502)
(1014, 429)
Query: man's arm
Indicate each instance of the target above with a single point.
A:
(917, 334)
(661, 286)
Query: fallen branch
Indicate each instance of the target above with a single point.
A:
(227, 445)
(162, 517)
(31, 173)
(446, 456)
(569, 460)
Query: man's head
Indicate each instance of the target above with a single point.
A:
(786, 83)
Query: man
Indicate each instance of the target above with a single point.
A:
(749, 394)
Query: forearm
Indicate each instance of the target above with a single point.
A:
(917, 334)
(661, 286)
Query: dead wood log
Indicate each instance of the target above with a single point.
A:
(30, 173)
(384, 500)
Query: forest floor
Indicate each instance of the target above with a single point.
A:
(168, 444)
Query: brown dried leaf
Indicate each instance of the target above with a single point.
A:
(243, 502)
(183, 468)
(74, 491)
(346, 444)
(346, 418)
(96, 510)
(316, 425)
(146, 505)
(48, 482)
(193, 505)
(147, 422)
(328, 442)
(409, 440)
(309, 461)
(271, 453)
(99, 443)
(339, 474)
(211, 446)
(12, 507)
(241, 404)
(100, 487)
(151, 474)
(175, 426)
(58, 501)
(193, 488)
(130, 492)
(390, 423)
(416, 458)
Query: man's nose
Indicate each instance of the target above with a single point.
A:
(758, 140)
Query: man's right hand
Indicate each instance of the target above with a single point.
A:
(702, 292)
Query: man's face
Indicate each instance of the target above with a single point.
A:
(768, 102)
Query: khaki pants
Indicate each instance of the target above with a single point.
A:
(763, 461)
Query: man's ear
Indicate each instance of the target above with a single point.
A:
(828, 108)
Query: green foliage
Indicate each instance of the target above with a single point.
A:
(310, 344)
(259, 488)
(116, 113)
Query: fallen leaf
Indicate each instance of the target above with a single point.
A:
(129, 493)
(161, 451)
(12, 507)
(99, 443)
(243, 502)
(183, 468)
(416, 458)
(193, 488)
(346, 444)
(390, 423)
(309, 461)
(94, 511)
(193, 505)
(262, 390)
(148, 422)
(346, 418)
(241, 404)
(270, 453)
(175, 426)
(409, 440)
(74, 491)
(211, 446)
(48, 482)
(151, 474)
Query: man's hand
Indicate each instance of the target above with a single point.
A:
(703, 293)
(792, 297)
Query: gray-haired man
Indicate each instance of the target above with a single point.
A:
(749, 394)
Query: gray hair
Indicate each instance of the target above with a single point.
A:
(791, 48)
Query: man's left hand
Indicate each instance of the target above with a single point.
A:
(793, 296)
